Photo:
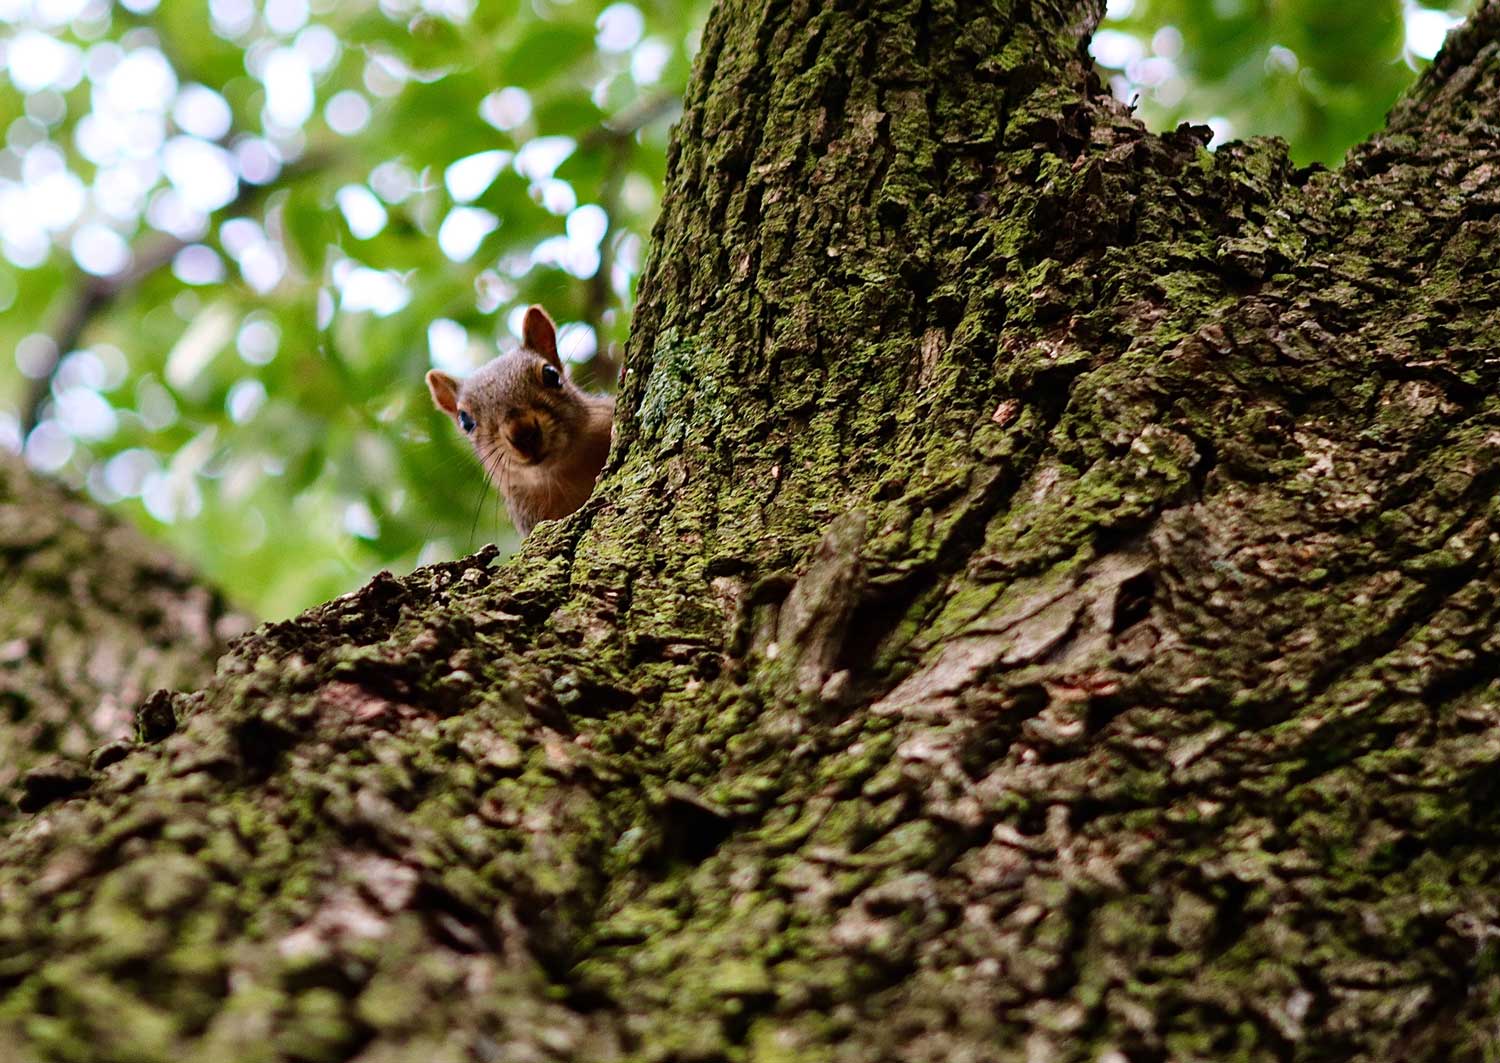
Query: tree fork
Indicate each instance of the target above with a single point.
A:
(1040, 605)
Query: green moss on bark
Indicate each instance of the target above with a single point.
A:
(1040, 605)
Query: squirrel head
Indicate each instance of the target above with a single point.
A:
(519, 410)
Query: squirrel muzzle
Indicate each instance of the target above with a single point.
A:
(524, 435)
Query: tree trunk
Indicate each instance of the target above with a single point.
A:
(94, 619)
(1040, 606)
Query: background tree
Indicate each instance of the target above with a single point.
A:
(1041, 604)
(236, 234)
(95, 619)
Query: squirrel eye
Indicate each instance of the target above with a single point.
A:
(465, 421)
(551, 377)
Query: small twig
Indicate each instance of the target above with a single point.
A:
(631, 120)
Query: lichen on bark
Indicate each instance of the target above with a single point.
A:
(1040, 605)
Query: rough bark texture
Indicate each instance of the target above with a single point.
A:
(94, 619)
(1041, 606)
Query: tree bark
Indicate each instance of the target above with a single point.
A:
(95, 618)
(1041, 606)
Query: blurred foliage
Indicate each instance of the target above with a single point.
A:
(262, 397)
(1319, 73)
(236, 233)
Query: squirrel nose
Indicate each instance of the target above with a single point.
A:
(525, 437)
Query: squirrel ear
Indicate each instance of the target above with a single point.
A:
(539, 334)
(444, 392)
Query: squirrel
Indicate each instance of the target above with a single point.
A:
(541, 439)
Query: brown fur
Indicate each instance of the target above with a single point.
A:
(542, 447)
